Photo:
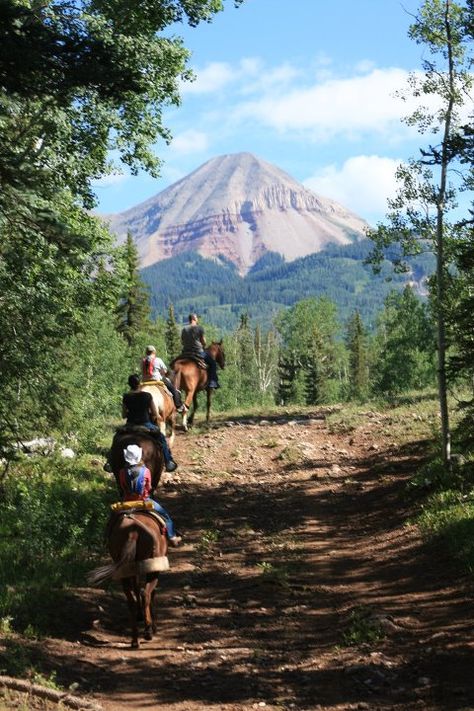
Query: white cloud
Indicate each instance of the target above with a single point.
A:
(190, 141)
(210, 79)
(350, 106)
(362, 184)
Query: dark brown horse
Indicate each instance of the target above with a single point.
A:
(138, 546)
(192, 379)
(152, 452)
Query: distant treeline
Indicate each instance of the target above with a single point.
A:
(220, 294)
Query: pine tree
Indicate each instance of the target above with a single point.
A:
(356, 340)
(286, 392)
(133, 310)
(172, 335)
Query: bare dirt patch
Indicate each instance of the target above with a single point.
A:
(301, 584)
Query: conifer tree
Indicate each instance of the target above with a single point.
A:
(172, 335)
(133, 310)
(356, 341)
(286, 392)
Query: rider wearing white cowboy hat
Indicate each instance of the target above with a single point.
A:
(135, 484)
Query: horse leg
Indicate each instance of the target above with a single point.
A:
(208, 405)
(171, 421)
(128, 585)
(188, 415)
(195, 407)
(147, 601)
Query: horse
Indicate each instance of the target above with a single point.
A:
(138, 546)
(151, 448)
(191, 378)
(164, 405)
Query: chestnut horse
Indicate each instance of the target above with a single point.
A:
(138, 546)
(165, 406)
(192, 379)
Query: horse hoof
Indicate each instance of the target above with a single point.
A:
(135, 644)
(148, 635)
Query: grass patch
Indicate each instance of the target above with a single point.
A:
(291, 454)
(277, 574)
(362, 628)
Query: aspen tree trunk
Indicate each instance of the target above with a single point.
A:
(441, 292)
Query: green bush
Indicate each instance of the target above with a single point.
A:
(53, 514)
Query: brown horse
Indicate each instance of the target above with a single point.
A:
(164, 405)
(152, 452)
(192, 379)
(138, 546)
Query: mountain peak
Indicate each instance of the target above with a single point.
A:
(238, 206)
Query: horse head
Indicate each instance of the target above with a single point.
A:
(216, 350)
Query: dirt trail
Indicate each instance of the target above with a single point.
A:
(296, 539)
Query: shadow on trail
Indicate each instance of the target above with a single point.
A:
(274, 572)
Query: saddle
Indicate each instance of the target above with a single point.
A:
(190, 356)
(134, 429)
(158, 384)
(128, 508)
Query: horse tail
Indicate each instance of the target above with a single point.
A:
(177, 379)
(105, 572)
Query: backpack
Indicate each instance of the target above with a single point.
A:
(134, 480)
(147, 366)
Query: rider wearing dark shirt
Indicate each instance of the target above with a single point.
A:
(194, 343)
(138, 406)
(139, 409)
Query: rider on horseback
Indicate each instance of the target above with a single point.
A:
(135, 485)
(139, 409)
(154, 368)
(194, 343)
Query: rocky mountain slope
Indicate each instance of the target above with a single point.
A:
(237, 207)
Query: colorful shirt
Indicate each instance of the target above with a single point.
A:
(153, 368)
(135, 483)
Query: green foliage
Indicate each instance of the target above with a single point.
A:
(404, 345)
(79, 82)
(133, 310)
(92, 385)
(309, 332)
(422, 214)
(52, 514)
(172, 335)
(277, 575)
(286, 392)
(356, 341)
(220, 295)
(447, 512)
(362, 628)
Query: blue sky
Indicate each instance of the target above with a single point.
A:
(307, 85)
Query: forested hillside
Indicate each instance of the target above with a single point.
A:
(220, 294)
